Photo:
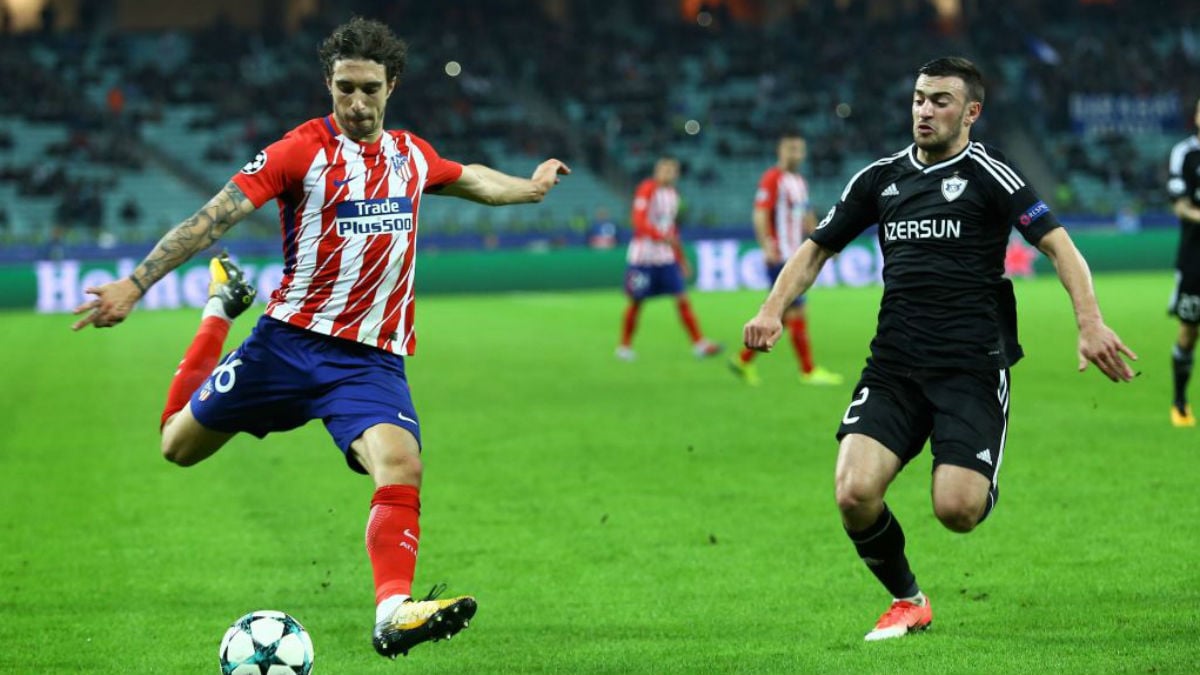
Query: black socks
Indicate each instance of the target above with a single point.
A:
(881, 547)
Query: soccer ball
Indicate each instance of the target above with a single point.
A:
(266, 643)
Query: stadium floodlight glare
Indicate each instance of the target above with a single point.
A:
(453, 68)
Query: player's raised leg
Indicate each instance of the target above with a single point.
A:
(1181, 368)
(865, 468)
(391, 455)
(184, 440)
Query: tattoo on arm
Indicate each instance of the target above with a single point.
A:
(193, 235)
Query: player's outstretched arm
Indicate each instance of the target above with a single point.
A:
(1098, 343)
(797, 276)
(486, 185)
(115, 300)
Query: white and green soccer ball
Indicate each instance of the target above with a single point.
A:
(266, 642)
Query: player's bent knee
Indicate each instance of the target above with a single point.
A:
(399, 467)
(855, 495)
(958, 516)
(178, 452)
(186, 443)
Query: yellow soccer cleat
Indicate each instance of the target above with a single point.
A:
(746, 371)
(1182, 417)
(417, 621)
(820, 376)
(228, 283)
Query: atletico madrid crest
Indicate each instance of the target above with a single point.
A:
(400, 166)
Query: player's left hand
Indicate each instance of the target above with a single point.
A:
(762, 332)
(1098, 344)
(546, 175)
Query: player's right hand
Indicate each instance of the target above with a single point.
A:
(546, 175)
(762, 332)
(113, 302)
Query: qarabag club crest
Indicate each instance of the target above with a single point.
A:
(953, 187)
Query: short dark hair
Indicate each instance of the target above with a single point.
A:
(957, 66)
(790, 132)
(368, 40)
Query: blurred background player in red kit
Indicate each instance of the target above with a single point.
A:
(657, 265)
(783, 218)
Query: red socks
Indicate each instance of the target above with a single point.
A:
(630, 323)
(197, 364)
(689, 320)
(392, 538)
(799, 331)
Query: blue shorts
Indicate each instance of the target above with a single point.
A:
(282, 376)
(773, 272)
(645, 281)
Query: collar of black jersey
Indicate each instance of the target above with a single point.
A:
(912, 157)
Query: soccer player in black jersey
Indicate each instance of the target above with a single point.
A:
(1184, 189)
(947, 335)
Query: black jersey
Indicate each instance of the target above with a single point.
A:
(944, 230)
(1184, 168)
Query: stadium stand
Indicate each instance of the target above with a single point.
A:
(118, 134)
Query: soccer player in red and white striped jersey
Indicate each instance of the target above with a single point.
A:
(783, 217)
(656, 262)
(332, 342)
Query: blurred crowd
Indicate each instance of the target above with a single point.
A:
(606, 85)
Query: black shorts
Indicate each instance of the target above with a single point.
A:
(963, 413)
(1185, 300)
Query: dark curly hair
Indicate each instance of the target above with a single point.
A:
(957, 66)
(365, 39)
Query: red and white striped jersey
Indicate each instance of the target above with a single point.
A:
(785, 197)
(348, 213)
(654, 209)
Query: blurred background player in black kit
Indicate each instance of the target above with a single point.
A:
(1184, 189)
(947, 335)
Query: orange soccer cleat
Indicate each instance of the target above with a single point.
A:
(902, 618)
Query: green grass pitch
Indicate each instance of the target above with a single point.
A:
(646, 517)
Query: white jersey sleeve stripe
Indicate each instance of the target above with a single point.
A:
(1000, 166)
(1008, 187)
